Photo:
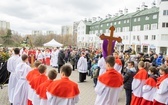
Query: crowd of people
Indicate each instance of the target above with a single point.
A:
(144, 76)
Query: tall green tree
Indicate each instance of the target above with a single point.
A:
(7, 38)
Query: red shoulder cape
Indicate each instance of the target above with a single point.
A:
(37, 81)
(142, 74)
(63, 88)
(118, 61)
(160, 79)
(111, 78)
(32, 74)
(42, 89)
(151, 82)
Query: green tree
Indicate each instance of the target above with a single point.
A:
(7, 38)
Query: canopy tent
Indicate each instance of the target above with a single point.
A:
(53, 43)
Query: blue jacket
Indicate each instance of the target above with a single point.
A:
(159, 60)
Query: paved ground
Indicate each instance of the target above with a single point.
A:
(87, 94)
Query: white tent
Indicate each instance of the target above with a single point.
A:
(53, 43)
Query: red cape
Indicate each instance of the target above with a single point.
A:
(64, 88)
(142, 74)
(32, 74)
(118, 61)
(160, 79)
(111, 78)
(42, 89)
(37, 81)
(151, 82)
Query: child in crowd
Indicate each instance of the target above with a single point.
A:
(42, 88)
(161, 95)
(38, 80)
(95, 71)
(138, 83)
(128, 78)
(30, 76)
(109, 84)
(63, 91)
(149, 88)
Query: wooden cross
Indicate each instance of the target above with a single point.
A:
(110, 39)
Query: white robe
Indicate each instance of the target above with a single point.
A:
(161, 94)
(137, 86)
(11, 66)
(82, 65)
(40, 56)
(102, 65)
(118, 67)
(54, 58)
(53, 100)
(20, 96)
(106, 95)
(148, 92)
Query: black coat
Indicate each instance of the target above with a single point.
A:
(128, 78)
(61, 58)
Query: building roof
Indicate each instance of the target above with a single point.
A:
(126, 16)
(97, 22)
(148, 11)
(111, 19)
(88, 23)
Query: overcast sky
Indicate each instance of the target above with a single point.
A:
(27, 15)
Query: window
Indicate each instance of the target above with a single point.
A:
(165, 25)
(127, 21)
(101, 25)
(146, 37)
(114, 23)
(118, 29)
(153, 37)
(138, 38)
(165, 12)
(96, 31)
(139, 19)
(107, 24)
(154, 16)
(123, 37)
(164, 37)
(146, 27)
(134, 37)
(125, 29)
(107, 30)
(111, 24)
(137, 28)
(126, 37)
(154, 26)
(135, 20)
(101, 31)
(147, 18)
(119, 22)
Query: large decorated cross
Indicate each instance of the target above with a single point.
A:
(109, 41)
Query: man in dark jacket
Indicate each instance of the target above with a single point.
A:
(61, 59)
(128, 78)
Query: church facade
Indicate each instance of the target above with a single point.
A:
(144, 30)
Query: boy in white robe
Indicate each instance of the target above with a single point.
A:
(11, 66)
(63, 91)
(109, 84)
(20, 96)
